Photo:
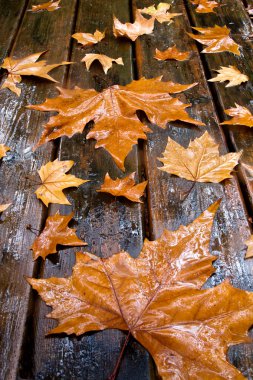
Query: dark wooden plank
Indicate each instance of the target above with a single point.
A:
(168, 204)
(19, 130)
(108, 224)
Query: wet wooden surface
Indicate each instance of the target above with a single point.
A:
(106, 223)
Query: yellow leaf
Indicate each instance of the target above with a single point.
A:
(105, 61)
(231, 74)
(88, 39)
(160, 13)
(240, 116)
(3, 150)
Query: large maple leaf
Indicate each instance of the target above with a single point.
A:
(117, 127)
(157, 298)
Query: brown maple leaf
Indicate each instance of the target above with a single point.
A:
(205, 6)
(216, 39)
(133, 31)
(26, 66)
(249, 244)
(4, 207)
(105, 61)
(54, 180)
(158, 299)
(117, 127)
(171, 53)
(56, 232)
(199, 162)
(240, 116)
(160, 13)
(88, 39)
(231, 74)
(124, 187)
(3, 150)
(50, 6)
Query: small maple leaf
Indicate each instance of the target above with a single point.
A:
(3, 150)
(105, 61)
(240, 116)
(249, 244)
(231, 74)
(124, 187)
(56, 231)
(205, 6)
(88, 39)
(216, 39)
(158, 299)
(171, 53)
(4, 207)
(199, 162)
(49, 6)
(133, 31)
(26, 66)
(117, 127)
(160, 13)
(54, 180)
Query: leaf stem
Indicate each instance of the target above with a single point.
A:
(114, 374)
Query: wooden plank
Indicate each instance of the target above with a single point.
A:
(240, 137)
(169, 205)
(19, 130)
(107, 224)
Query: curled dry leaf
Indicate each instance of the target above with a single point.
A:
(3, 150)
(205, 6)
(54, 180)
(124, 187)
(133, 31)
(158, 299)
(4, 207)
(26, 66)
(160, 13)
(49, 6)
(172, 53)
(216, 39)
(199, 162)
(56, 231)
(117, 127)
(249, 244)
(231, 74)
(240, 116)
(105, 61)
(88, 39)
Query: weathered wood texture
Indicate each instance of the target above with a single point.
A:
(19, 130)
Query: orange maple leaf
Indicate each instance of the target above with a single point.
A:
(205, 6)
(105, 61)
(50, 6)
(172, 53)
(133, 31)
(240, 116)
(161, 13)
(89, 39)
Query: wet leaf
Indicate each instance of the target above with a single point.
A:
(172, 53)
(161, 13)
(105, 61)
(124, 187)
(216, 39)
(4, 207)
(249, 244)
(50, 6)
(54, 180)
(199, 162)
(117, 127)
(88, 39)
(231, 74)
(3, 150)
(26, 66)
(133, 31)
(158, 299)
(240, 116)
(56, 232)
(205, 6)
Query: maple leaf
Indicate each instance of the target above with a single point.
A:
(249, 244)
(124, 187)
(49, 6)
(205, 6)
(54, 180)
(199, 162)
(3, 150)
(133, 31)
(117, 127)
(105, 61)
(56, 231)
(240, 116)
(171, 53)
(4, 207)
(157, 298)
(26, 66)
(231, 74)
(216, 39)
(88, 39)
(160, 13)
